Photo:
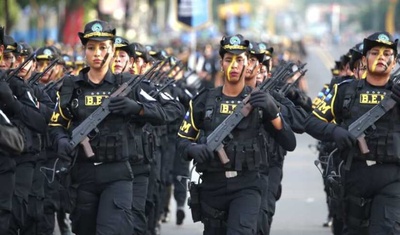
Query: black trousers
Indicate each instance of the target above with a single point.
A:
(274, 192)
(23, 183)
(239, 197)
(139, 186)
(7, 182)
(379, 186)
(103, 199)
(263, 218)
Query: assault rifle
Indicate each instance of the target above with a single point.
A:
(37, 76)
(359, 126)
(215, 141)
(16, 71)
(80, 133)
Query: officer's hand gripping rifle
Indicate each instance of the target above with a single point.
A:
(80, 133)
(216, 138)
(359, 126)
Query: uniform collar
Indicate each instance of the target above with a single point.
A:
(109, 77)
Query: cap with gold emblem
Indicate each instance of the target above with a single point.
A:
(235, 44)
(97, 30)
(46, 53)
(10, 45)
(257, 51)
(267, 50)
(380, 39)
(139, 50)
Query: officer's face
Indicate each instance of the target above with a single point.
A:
(8, 61)
(121, 62)
(99, 53)
(253, 69)
(234, 66)
(27, 70)
(380, 60)
(41, 65)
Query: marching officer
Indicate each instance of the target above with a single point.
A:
(370, 179)
(230, 194)
(103, 182)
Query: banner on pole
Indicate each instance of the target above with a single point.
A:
(193, 14)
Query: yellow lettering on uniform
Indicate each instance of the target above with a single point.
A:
(88, 100)
(227, 108)
(224, 108)
(94, 100)
(363, 98)
(185, 126)
(54, 117)
(374, 99)
(371, 98)
(323, 107)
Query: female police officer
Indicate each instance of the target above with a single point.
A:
(103, 182)
(230, 194)
(372, 178)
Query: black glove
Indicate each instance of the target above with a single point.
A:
(64, 148)
(396, 92)
(343, 138)
(6, 95)
(200, 153)
(124, 105)
(293, 94)
(266, 102)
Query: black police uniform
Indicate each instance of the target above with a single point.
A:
(12, 144)
(31, 119)
(371, 185)
(272, 170)
(236, 198)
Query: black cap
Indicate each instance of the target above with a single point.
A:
(255, 50)
(336, 70)
(344, 59)
(379, 39)
(46, 53)
(120, 42)
(97, 30)
(139, 50)
(156, 53)
(356, 54)
(10, 45)
(24, 49)
(68, 60)
(267, 50)
(235, 44)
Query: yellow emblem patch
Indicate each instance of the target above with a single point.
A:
(54, 117)
(371, 98)
(185, 126)
(323, 107)
(94, 100)
(227, 108)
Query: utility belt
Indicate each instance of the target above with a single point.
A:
(221, 175)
